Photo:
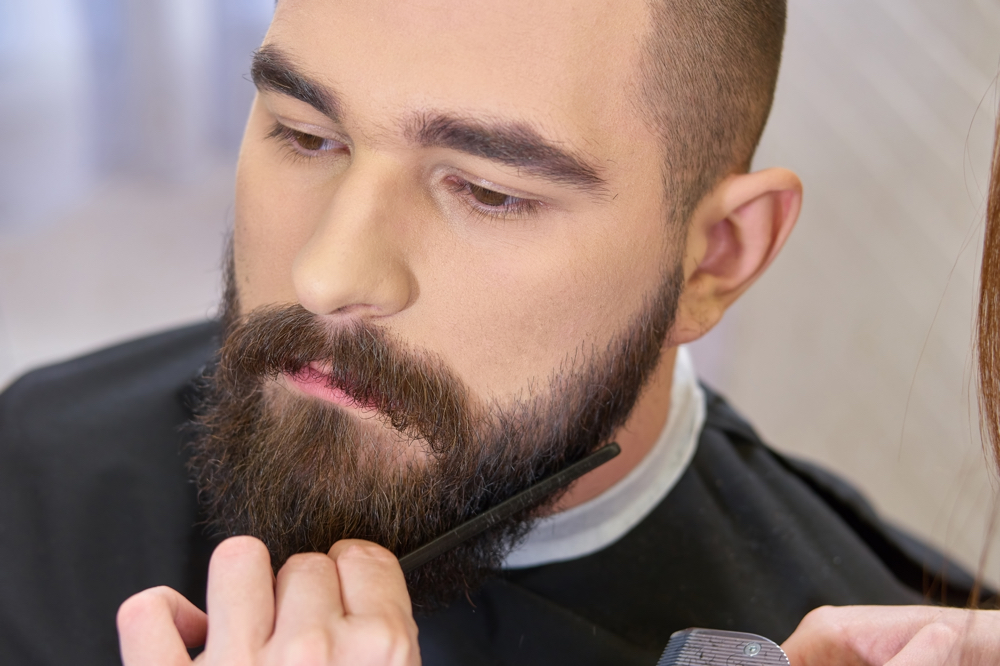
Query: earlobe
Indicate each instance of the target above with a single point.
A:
(733, 237)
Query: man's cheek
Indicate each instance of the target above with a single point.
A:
(269, 233)
(514, 342)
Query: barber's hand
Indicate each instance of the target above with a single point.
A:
(895, 636)
(348, 607)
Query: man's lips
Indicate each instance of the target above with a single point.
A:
(315, 382)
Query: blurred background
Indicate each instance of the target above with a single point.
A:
(120, 121)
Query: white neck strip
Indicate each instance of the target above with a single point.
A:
(603, 520)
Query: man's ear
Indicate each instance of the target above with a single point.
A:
(735, 233)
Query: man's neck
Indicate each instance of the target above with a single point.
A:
(635, 438)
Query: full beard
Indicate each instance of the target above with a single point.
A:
(301, 474)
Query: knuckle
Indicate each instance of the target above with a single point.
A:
(826, 622)
(141, 606)
(309, 648)
(386, 640)
(940, 634)
(823, 616)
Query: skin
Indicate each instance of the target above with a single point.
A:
(895, 636)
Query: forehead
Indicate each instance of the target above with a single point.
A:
(566, 66)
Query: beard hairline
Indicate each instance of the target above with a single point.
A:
(596, 363)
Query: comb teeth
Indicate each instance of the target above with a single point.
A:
(711, 647)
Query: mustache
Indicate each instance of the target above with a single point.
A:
(415, 393)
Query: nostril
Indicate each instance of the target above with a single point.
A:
(353, 309)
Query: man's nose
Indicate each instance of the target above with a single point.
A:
(355, 262)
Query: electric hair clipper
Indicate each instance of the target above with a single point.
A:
(712, 647)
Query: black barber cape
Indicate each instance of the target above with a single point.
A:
(95, 505)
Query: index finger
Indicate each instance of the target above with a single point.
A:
(240, 597)
(370, 578)
(856, 634)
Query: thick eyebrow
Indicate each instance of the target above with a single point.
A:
(273, 70)
(509, 143)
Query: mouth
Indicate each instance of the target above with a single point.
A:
(316, 382)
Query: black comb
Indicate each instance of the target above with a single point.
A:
(506, 509)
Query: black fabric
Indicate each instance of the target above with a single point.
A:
(95, 505)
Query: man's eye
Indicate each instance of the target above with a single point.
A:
(309, 142)
(307, 145)
(490, 203)
(491, 198)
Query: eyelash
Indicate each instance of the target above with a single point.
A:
(517, 207)
(513, 207)
(291, 140)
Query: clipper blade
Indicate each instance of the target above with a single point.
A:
(712, 647)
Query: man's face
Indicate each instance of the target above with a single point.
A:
(481, 186)
(449, 226)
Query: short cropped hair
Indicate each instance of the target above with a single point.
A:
(707, 81)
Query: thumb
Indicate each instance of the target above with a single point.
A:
(156, 626)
